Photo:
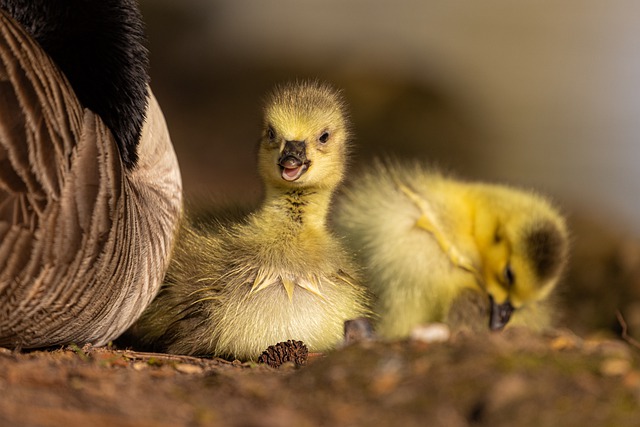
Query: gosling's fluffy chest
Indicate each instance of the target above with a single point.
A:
(314, 317)
(301, 287)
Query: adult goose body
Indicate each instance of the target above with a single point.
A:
(90, 189)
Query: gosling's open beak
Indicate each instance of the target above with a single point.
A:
(500, 314)
(293, 160)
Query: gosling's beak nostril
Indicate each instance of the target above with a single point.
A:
(293, 154)
(293, 160)
(500, 314)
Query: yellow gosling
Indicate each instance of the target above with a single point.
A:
(278, 274)
(438, 249)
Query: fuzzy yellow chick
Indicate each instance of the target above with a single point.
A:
(278, 274)
(439, 249)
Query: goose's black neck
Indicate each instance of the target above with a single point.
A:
(100, 46)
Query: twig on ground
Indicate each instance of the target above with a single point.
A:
(145, 356)
(632, 341)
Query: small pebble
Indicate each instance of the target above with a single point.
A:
(357, 330)
(433, 332)
(615, 367)
(565, 342)
(139, 366)
(185, 368)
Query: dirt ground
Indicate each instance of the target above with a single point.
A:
(504, 379)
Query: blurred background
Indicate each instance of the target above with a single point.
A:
(538, 94)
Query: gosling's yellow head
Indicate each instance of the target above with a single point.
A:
(523, 246)
(305, 136)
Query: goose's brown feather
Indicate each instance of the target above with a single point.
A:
(84, 242)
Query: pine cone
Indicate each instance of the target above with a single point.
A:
(288, 351)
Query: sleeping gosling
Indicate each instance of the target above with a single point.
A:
(438, 249)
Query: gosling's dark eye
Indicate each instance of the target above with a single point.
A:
(509, 276)
(271, 134)
(324, 137)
